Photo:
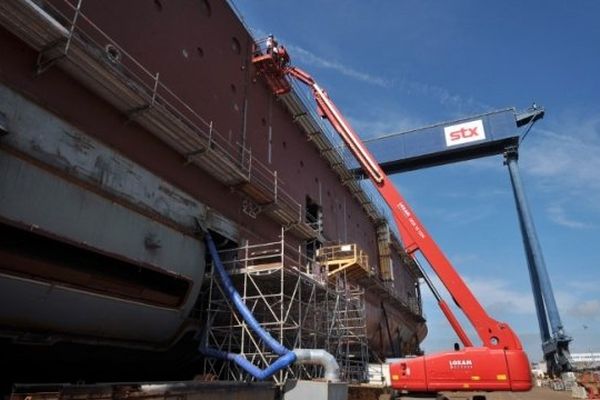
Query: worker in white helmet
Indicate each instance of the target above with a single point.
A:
(271, 44)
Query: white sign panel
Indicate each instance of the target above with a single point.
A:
(464, 133)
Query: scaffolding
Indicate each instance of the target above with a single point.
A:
(293, 299)
(351, 349)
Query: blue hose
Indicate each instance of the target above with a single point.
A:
(287, 357)
(260, 374)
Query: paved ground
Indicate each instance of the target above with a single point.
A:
(536, 393)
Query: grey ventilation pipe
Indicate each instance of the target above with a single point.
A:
(320, 357)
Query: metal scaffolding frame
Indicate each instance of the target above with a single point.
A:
(292, 298)
(351, 348)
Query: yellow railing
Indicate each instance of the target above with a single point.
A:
(346, 258)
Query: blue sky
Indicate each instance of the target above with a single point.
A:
(391, 66)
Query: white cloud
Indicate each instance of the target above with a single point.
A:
(379, 122)
(565, 300)
(480, 193)
(309, 58)
(585, 286)
(557, 214)
(516, 307)
(440, 94)
(563, 162)
(460, 217)
(586, 309)
(567, 154)
(497, 296)
(464, 258)
(443, 96)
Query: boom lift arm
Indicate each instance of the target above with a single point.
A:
(500, 363)
(328, 110)
(501, 359)
(492, 333)
(495, 336)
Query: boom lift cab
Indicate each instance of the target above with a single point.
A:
(473, 368)
(500, 362)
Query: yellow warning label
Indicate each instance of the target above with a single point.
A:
(475, 378)
(501, 377)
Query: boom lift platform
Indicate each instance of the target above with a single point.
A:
(270, 65)
(500, 362)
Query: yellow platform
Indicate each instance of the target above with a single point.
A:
(345, 258)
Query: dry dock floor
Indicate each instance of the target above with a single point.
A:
(537, 393)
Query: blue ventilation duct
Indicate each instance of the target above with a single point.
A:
(287, 357)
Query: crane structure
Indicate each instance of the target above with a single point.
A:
(499, 362)
(555, 341)
(483, 135)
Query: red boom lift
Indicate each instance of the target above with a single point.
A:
(499, 363)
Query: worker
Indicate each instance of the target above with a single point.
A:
(271, 43)
(284, 57)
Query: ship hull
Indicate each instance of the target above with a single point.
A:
(104, 191)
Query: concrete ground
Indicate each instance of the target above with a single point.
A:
(537, 393)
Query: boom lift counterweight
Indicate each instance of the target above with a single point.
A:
(500, 362)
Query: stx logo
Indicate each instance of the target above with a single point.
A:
(464, 133)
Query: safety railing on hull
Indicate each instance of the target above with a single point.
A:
(338, 146)
(145, 98)
(266, 257)
(147, 91)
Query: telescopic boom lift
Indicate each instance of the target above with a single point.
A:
(500, 362)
